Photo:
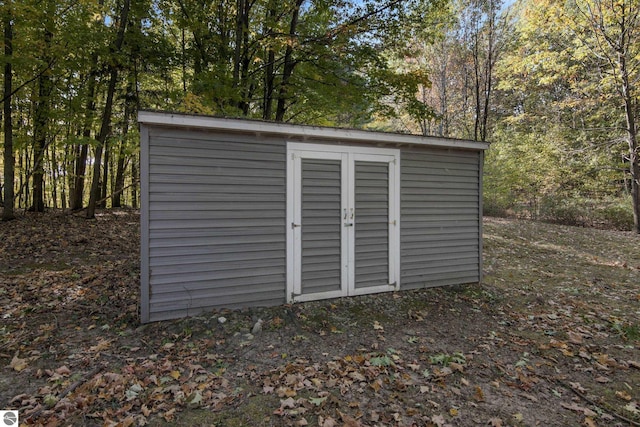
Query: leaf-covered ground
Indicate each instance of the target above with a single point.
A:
(550, 338)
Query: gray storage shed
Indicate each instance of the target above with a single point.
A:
(248, 213)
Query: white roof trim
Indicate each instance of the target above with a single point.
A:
(301, 131)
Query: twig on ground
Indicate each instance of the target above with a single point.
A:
(71, 388)
(592, 402)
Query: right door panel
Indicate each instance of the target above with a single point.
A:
(372, 224)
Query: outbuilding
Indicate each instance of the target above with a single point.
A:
(238, 213)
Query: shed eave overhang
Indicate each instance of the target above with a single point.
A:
(304, 132)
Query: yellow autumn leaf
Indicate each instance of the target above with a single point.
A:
(376, 385)
(18, 364)
(588, 421)
(622, 394)
(174, 374)
(101, 346)
(290, 392)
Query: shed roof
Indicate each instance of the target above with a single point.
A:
(303, 132)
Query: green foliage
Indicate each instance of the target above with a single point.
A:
(381, 361)
(560, 144)
(298, 61)
(446, 359)
(628, 331)
(617, 213)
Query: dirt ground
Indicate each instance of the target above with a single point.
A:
(550, 338)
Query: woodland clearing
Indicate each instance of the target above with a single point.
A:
(551, 337)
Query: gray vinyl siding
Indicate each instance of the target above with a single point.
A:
(216, 221)
(372, 224)
(440, 216)
(214, 213)
(321, 226)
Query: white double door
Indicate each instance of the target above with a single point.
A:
(343, 225)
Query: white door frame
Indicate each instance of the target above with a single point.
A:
(348, 155)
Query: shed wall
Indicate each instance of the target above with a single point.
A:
(214, 232)
(216, 221)
(440, 217)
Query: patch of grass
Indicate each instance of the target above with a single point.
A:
(28, 268)
(363, 312)
(446, 359)
(251, 413)
(275, 323)
(627, 331)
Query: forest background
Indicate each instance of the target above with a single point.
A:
(552, 84)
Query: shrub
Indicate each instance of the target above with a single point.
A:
(493, 206)
(616, 213)
(564, 210)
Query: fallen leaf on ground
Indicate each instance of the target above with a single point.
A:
(575, 337)
(634, 364)
(438, 420)
(326, 422)
(633, 408)
(18, 364)
(574, 407)
(624, 395)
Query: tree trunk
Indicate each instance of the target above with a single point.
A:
(269, 76)
(41, 121)
(106, 116)
(63, 187)
(77, 194)
(476, 83)
(241, 60)
(134, 181)
(106, 149)
(116, 200)
(54, 175)
(632, 139)
(9, 159)
(289, 64)
(237, 53)
(129, 110)
(23, 163)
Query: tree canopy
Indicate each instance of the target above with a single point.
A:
(552, 84)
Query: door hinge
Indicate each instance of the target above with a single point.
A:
(294, 225)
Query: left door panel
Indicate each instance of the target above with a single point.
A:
(320, 192)
(317, 246)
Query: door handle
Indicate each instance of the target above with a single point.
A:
(348, 224)
(294, 225)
